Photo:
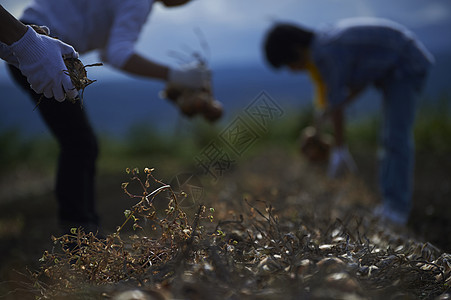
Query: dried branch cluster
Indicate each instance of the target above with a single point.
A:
(78, 75)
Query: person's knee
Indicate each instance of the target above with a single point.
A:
(85, 148)
(92, 151)
(90, 148)
(397, 140)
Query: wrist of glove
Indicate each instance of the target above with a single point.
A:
(190, 76)
(7, 55)
(40, 59)
(340, 161)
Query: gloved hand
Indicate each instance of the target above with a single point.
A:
(41, 60)
(192, 76)
(340, 160)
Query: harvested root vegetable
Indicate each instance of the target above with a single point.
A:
(314, 146)
(194, 101)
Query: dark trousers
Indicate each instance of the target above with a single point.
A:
(75, 181)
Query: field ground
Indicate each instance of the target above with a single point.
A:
(271, 174)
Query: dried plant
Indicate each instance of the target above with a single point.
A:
(259, 252)
(78, 75)
(145, 256)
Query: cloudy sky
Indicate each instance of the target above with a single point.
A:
(234, 29)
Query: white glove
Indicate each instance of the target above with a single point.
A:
(190, 76)
(340, 160)
(41, 61)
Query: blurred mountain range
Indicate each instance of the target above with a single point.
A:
(116, 104)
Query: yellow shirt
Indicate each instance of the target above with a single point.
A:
(320, 97)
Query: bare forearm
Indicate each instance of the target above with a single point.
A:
(338, 118)
(141, 66)
(11, 29)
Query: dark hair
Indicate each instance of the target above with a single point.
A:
(282, 42)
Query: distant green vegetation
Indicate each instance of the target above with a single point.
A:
(145, 148)
(433, 128)
(17, 150)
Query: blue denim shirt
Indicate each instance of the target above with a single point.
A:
(359, 52)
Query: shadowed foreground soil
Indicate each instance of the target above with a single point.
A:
(302, 236)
